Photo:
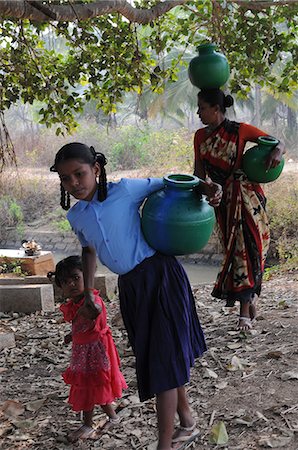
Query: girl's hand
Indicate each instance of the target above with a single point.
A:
(213, 192)
(275, 156)
(67, 338)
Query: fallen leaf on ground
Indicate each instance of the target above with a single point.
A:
(290, 375)
(12, 408)
(235, 364)
(218, 434)
(36, 405)
(275, 441)
(208, 373)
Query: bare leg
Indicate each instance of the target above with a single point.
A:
(109, 410)
(87, 418)
(187, 427)
(244, 323)
(183, 409)
(166, 404)
(85, 430)
(253, 308)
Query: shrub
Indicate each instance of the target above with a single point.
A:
(283, 216)
(12, 267)
(131, 152)
(36, 195)
(11, 216)
(63, 225)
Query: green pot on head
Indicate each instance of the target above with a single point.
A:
(210, 69)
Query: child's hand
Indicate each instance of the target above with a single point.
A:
(67, 338)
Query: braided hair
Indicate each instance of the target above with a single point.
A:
(88, 155)
(64, 268)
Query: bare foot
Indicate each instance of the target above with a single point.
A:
(244, 324)
(84, 432)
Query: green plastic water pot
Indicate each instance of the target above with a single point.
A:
(254, 161)
(210, 69)
(177, 220)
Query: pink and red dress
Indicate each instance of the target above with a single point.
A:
(94, 372)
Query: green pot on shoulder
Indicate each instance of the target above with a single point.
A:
(254, 161)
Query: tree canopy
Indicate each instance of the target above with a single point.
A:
(64, 53)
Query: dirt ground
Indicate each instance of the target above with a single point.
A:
(246, 385)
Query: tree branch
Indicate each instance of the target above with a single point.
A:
(47, 12)
(260, 4)
(20, 9)
(44, 9)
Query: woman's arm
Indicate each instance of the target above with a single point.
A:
(249, 133)
(213, 191)
(199, 170)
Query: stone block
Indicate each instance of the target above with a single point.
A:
(9, 279)
(107, 285)
(7, 339)
(27, 298)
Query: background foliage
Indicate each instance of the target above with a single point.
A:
(124, 88)
(64, 65)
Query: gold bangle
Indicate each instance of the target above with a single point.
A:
(89, 289)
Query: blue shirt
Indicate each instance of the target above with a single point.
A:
(113, 227)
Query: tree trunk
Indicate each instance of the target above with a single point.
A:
(291, 119)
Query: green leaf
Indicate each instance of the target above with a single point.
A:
(218, 434)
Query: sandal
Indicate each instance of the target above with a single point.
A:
(247, 323)
(114, 421)
(186, 438)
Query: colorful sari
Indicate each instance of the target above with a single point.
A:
(241, 216)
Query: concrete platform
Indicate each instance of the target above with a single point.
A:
(27, 298)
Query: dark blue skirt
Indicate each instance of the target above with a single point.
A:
(160, 317)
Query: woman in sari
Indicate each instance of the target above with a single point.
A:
(241, 215)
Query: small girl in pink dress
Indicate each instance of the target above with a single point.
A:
(93, 374)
